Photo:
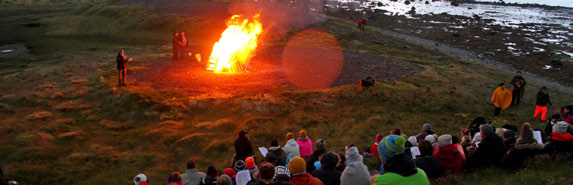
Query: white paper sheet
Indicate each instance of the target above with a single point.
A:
(477, 143)
(263, 151)
(537, 136)
(243, 177)
(415, 151)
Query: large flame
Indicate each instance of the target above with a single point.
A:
(236, 45)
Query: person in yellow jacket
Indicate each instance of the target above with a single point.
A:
(501, 98)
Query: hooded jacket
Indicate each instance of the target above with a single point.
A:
(328, 173)
(208, 180)
(313, 158)
(274, 154)
(542, 99)
(192, 177)
(292, 148)
(490, 152)
(400, 169)
(430, 165)
(355, 173)
(519, 153)
(243, 148)
(450, 159)
(305, 179)
(305, 147)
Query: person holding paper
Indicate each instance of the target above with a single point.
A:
(489, 152)
(275, 152)
(526, 147)
(427, 162)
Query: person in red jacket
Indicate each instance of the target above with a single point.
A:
(374, 148)
(567, 114)
(297, 168)
(449, 156)
(122, 61)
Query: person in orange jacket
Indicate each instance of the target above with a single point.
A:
(501, 98)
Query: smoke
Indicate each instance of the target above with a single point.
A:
(282, 15)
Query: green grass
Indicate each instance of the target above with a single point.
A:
(124, 132)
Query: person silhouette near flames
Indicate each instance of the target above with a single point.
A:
(176, 41)
(122, 61)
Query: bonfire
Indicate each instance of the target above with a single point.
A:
(236, 46)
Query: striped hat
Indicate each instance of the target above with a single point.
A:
(391, 146)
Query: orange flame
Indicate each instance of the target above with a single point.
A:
(236, 45)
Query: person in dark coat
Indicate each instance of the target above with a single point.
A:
(243, 147)
(320, 149)
(449, 156)
(518, 78)
(176, 42)
(328, 173)
(489, 152)
(549, 125)
(427, 162)
(525, 148)
(475, 124)
(122, 60)
(509, 139)
(516, 93)
(211, 178)
(567, 114)
(275, 152)
(265, 176)
(561, 142)
(3, 180)
(341, 161)
(541, 103)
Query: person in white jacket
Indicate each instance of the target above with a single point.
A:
(291, 147)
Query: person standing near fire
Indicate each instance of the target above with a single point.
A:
(183, 45)
(176, 41)
(122, 61)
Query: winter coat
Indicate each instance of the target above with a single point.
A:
(292, 148)
(542, 99)
(560, 143)
(121, 62)
(353, 155)
(490, 152)
(274, 154)
(501, 98)
(374, 149)
(328, 173)
(509, 143)
(518, 154)
(568, 117)
(313, 158)
(305, 179)
(430, 165)
(192, 177)
(548, 129)
(305, 147)
(519, 79)
(450, 159)
(355, 173)
(401, 169)
(208, 180)
(243, 148)
(461, 150)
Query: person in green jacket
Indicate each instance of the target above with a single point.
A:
(399, 168)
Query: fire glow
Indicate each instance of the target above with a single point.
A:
(236, 45)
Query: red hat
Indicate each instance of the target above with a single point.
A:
(379, 137)
(230, 172)
(250, 162)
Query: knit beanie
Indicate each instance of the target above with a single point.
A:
(379, 138)
(139, 178)
(431, 139)
(250, 162)
(526, 135)
(317, 165)
(289, 136)
(296, 166)
(274, 142)
(444, 140)
(320, 144)
(302, 134)
(230, 172)
(487, 129)
(413, 140)
(391, 146)
(353, 155)
(267, 170)
(211, 171)
(560, 127)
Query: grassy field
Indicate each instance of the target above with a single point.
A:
(63, 121)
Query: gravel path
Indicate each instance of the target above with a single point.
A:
(471, 57)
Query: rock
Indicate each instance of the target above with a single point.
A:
(57, 95)
(556, 63)
(69, 106)
(455, 34)
(65, 121)
(407, 2)
(489, 53)
(93, 117)
(480, 56)
(427, 2)
(69, 135)
(379, 4)
(440, 57)
(477, 17)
